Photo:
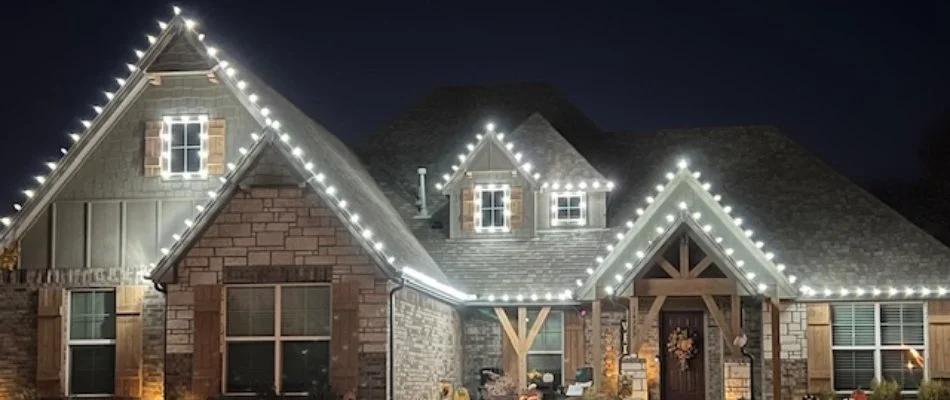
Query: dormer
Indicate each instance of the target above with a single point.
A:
(491, 190)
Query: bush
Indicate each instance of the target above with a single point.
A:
(886, 390)
(933, 390)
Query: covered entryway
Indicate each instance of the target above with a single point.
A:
(683, 379)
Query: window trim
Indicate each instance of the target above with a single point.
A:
(67, 368)
(877, 348)
(276, 338)
(506, 208)
(551, 352)
(167, 123)
(555, 209)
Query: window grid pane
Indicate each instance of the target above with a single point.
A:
(92, 315)
(184, 147)
(305, 311)
(853, 324)
(896, 365)
(493, 209)
(305, 365)
(92, 369)
(568, 207)
(853, 369)
(248, 367)
(250, 311)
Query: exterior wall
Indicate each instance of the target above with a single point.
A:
(596, 211)
(481, 345)
(17, 340)
(793, 326)
(497, 178)
(276, 235)
(427, 340)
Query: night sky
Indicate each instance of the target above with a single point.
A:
(856, 85)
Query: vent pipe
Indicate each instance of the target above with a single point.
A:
(423, 208)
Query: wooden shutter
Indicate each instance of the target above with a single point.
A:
(938, 317)
(517, 208)
(153, 148)
(509, 357)
(128, 341)
(468, 210)
(573, 344)
(345, 338)
(819, 348)
(50, 345)
(206, 378)
(217, 148)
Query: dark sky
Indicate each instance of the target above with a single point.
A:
(854, 84)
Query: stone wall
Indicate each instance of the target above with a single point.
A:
(737, 381)
(481, 345)
(427, 340)
(793, 325)
(17, 340)
(274, 235)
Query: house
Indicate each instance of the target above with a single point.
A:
(202, 234)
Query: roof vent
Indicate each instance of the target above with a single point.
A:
(421, 202)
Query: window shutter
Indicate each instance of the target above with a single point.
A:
(206, 381)
(938, 317)
(468, 210)
(128, 334)
(509, 358)
(819, 348)
(217, 148)
(49, 335)
(573, 344)
(153, 148)
(345, 337)
(517, 208)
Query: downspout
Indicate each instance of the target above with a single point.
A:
(161, 288)
(390, 381)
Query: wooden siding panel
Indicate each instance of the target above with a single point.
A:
(517, 208)
(141, 232)
(128, 333)
(105, 234)
(819, 347)
(206, 379)
(344, 342)
(938, 317)
(574, 356)
(153, 148)
(34, 247)
(467, 214)
(50, 332)
(69, 232)
(217, 146)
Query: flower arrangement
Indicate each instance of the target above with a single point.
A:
(534, 376)
(682, 345)
(500, 386)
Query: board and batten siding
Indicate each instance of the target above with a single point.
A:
(105, 233)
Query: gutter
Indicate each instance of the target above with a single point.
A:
(391, 374)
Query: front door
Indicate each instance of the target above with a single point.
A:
(679, 382)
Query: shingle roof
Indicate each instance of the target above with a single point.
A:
(551, 154)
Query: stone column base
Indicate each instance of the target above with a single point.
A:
(634, 375)
(737, 380)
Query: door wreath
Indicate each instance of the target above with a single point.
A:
(683, 346)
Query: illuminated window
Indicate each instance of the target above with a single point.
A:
(569, 208)
(493, 208)
(883, 341)
(185, 146)
(91, 354)
(278, 336)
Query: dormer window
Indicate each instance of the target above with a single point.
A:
(568, 208)
(185, 146)
(493, 205)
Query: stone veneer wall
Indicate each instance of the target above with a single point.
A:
(793, 327)
(18, 336)
(737, 380)
(427, 340)
(481, 346)
(274, 235)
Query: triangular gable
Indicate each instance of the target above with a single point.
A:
(684, 194)
(486, 141)
(564, 167)
(389, 241)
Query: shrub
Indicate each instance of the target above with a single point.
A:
(886, 390)
(933, 390)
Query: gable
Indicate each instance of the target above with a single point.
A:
(490, 157)
(180, 55)
(492, 153)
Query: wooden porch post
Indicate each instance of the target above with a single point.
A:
(597, 353)
(522, 339)
(632, 327)
(776, 350)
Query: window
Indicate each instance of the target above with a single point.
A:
(547, 352)
(568, 208)
(91, 355)
(492, 204)
(185, 146)
(884, 341)
(277, 337)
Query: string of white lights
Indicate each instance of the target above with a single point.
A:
(272, 123)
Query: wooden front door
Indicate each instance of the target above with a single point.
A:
(676, 383)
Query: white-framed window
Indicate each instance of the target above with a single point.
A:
(547, 352)
(883, 341)
(185, 146)
(492, 208)
(91, 345)
(568, 208)
(278, 336)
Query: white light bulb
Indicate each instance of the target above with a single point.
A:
(579, 283)
(780, 267)
(504, 297)
(750, 275)
(769, 256)
(367, 233)
(41, 179)
(139, 53)
(682, 164)
(628, 265)
(707, 228)
(609, 290)
(729, 251)
(189, 223)
(490, 127)
(212, 51)
(649, 199)
(190, 24)
(660, 230)
(629, 224)
(230, 72)
(738, 221)
(355, 218)
(640, 210)
(252, 98)
(707, 186)
(639, 254)
(74, 136)
(670, 218)
(6, 221)
(670, 176)
(619, 278)
(242, 85)
(331, 190)
(17, 206)
(29, 193)
(659, 188)
(727, 209)
(792, 278)
(86, 123)
(51, 166)
(109, 95)
(176, 10)
(599, 260)
(297, 151)
(120, 81)
(590, 271)
(212, 194)
(697, 215)
(762, 287)
(548, 296)
(320, 177)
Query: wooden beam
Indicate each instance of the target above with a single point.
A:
(700, 267)
(632, 328)
(522, 354)
(776, 350)
(736, 315)
(721, 321)
(521, 339)
(647, 322)
(684, 257)
(597, 351)
(685, 287)
(668, 267)
(506, 326)
(535, 328)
